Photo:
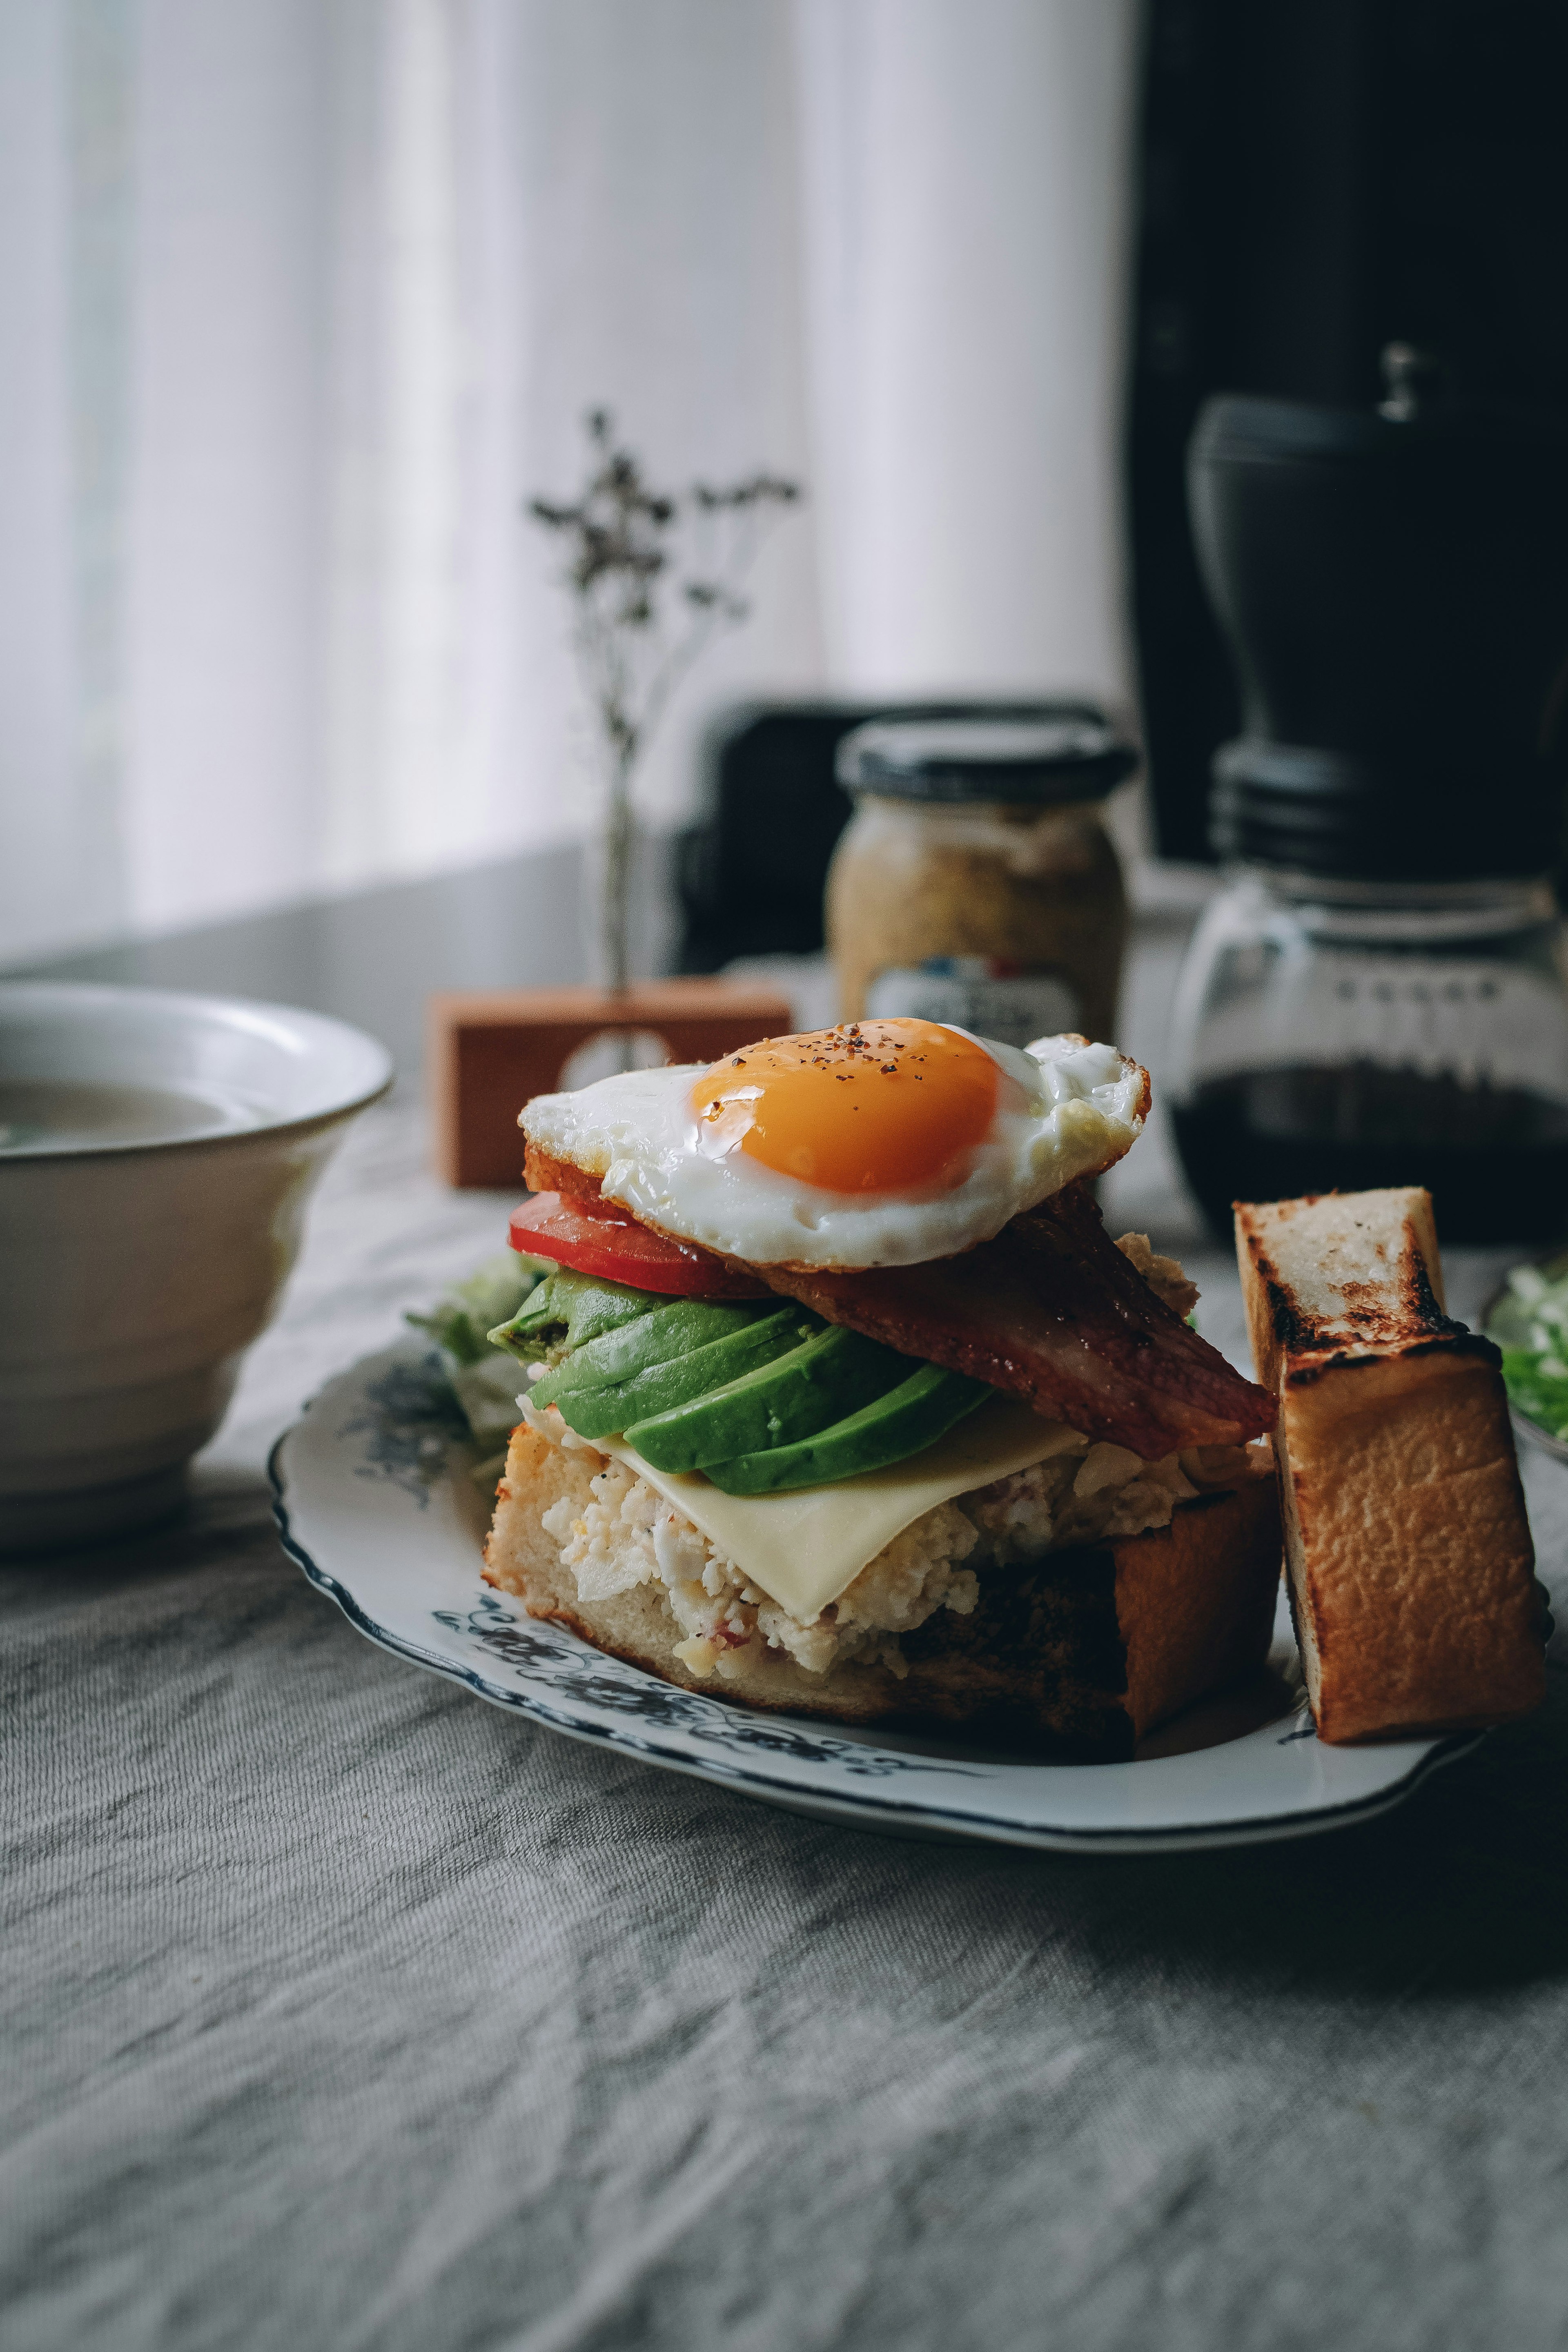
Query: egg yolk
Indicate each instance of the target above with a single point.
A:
(870, 1107)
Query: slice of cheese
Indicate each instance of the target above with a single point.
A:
(808, 1547)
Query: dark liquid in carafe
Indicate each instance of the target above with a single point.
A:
(1494, 1159)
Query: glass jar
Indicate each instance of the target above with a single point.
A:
(1341, 1034)
(975, 883)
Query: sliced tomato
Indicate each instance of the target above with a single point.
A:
(618, 1249)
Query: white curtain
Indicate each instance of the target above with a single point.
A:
(303, 298)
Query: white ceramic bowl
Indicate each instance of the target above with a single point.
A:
(156, 1155)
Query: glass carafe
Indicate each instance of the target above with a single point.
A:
(1334, 1034)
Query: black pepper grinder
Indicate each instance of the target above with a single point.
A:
(1377, 997)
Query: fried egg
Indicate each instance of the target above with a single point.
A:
(877, 1143)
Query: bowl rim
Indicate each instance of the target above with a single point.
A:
(380, 1068)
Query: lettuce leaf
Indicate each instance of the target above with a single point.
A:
(484, 1379)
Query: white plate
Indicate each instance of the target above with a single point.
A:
(375, 1503)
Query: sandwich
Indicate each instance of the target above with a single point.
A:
(1408, 1552)
(845, 1403)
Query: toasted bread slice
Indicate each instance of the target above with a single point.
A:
(1075, 1655)
(1407, 1548)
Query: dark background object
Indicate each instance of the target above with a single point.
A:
(1394, 591)
(1319, 178)
(750, 871)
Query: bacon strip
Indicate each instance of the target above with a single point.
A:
(1052, 1311)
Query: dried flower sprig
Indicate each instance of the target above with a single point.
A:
(653, 576)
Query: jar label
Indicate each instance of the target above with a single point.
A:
(996, 999)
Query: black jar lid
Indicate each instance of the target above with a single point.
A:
(1044, 755)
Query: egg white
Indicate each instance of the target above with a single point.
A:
(1064, 1109)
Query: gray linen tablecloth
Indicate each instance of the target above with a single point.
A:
(344, 2010)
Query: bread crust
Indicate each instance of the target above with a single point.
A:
(1075, 1656)
(1408, 1547)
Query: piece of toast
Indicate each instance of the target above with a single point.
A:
(1075, 1655)
(1407, 1549)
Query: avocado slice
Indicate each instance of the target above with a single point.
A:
(904, 1420)
(833, 1372)
(675, 1327)
(601, 1411)
(524, 1335)
(580, 1306)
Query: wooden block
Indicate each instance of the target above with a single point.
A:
(491, 1052)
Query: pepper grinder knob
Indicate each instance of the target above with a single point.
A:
(1411, 378)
